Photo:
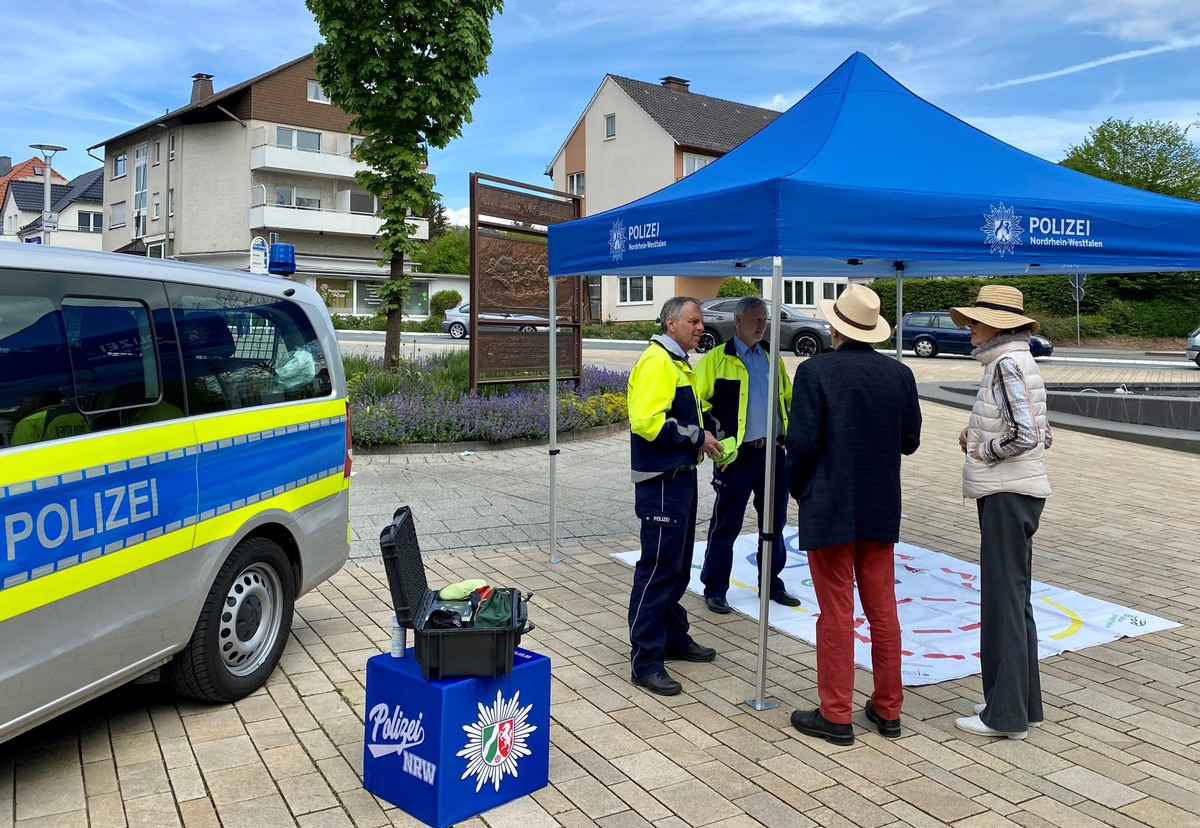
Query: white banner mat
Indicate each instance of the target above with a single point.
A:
(937, 599)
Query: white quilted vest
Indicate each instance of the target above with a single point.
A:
(1025, 473)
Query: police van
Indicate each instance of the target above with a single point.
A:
(174, 472)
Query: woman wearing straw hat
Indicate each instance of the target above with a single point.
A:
(1005, 473)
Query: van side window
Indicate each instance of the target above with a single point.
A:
(242, 349)
(113, 358)
(36, 394)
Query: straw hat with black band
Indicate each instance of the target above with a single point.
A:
(855, 315)
(999, 306)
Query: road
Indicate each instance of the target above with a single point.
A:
(621, 354)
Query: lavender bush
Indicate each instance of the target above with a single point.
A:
(427, 401)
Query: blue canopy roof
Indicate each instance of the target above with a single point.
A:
(862, 174)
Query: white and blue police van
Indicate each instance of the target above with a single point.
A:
(174, 472)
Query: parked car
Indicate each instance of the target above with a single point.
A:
(929, 333)
(458, 322)
(803, 332)
(1192, 349)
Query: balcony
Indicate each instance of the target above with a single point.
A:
(265, 155)
(341, 222)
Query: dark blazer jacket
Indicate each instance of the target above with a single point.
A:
(854, 413)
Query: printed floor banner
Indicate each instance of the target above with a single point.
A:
(937, 599)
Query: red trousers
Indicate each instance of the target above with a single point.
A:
(834, 570)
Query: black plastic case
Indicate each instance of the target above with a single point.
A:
(443, 653)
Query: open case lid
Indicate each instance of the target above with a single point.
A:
(402, 561)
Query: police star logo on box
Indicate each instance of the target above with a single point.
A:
(497, 741)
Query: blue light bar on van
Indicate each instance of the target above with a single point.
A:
(282, 260)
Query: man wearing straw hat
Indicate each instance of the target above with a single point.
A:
(854, 413)
(1004, 471)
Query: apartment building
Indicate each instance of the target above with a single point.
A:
(11, 218)
(266, 158)
(79, 205)
(633, 139)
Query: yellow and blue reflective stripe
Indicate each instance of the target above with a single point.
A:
(60, 532)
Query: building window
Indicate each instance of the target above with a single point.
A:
(797, 292)
(273, 238)
(302, 198)
(316, 94)
(156, 213)
(171, 202)
(156, 251)
(636, 289)
(610, 126)
(355, 143)
(336, 293)
(363, 203)
(832, 290)
(90, 222)
(37, 170)
(116, 215)
(157, 153)
(139, 191)
(300, 139)
(171, 147)
(575, 183)
(692, 162)
(118, 169)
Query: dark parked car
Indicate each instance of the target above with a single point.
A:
(929, 333)
(801, 331)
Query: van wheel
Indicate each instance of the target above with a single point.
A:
(925, 348)
(243, 626)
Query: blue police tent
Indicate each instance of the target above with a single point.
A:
(862, 178)
(861, 175)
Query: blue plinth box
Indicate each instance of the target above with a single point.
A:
(446, 750)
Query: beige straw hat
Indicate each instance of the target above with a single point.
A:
(1000, 306)
(855, 315)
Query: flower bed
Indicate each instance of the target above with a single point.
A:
(427, 401)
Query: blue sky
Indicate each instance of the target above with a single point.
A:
(1036, 74)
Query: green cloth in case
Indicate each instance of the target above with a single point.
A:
(462, 590)
(496, 610)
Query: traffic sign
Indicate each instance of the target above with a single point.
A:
(50, 221)
(1078, 290)
(1077, 279)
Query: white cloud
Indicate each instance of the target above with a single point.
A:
(459, 217)
(780, 102)
(1173, 46)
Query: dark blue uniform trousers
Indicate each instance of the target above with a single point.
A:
(741, 478)
(658, 624)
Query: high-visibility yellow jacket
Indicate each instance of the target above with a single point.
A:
(664, 413)
(49, 424)
(724, 388)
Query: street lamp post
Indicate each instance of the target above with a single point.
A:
(47, 151)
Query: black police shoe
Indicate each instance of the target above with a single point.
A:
(694, 652)
(785, 598)
(887, 727)
(717, 605)
(660, 683)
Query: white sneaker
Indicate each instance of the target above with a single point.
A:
(973, 724)
(979, 708)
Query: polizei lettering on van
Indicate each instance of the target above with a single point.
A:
(78, 518)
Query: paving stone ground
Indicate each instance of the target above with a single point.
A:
(1119, 748)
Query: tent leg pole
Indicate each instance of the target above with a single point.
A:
(555, 557)
(899, 310)
(760, 701)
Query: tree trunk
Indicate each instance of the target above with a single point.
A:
(395, 320)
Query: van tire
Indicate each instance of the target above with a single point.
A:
(243, 626)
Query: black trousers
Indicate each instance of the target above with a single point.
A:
(658, 623)
(734, 486)
(1008, 636)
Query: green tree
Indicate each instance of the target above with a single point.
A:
(1154, 155)
(406, 72)
(438, 224)
(733, 286)
(447, 253)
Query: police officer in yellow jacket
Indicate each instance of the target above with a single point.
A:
(667, 442)
(43, 415)
(733, 383)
